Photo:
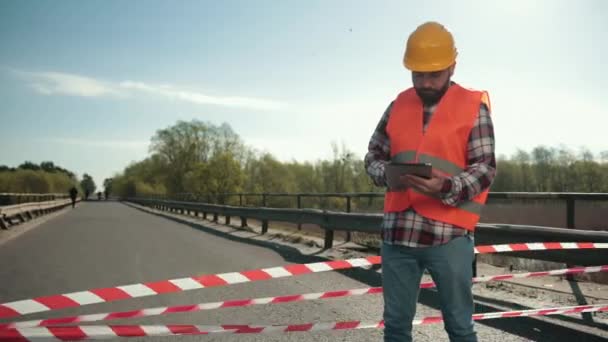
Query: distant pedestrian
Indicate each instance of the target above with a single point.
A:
(73, 194)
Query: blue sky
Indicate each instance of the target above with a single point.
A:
(87, 83)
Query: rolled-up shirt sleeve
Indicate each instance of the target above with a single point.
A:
(378, 151)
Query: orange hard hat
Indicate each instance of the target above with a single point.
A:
(430, 48)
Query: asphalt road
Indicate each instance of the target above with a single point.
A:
(104, 244)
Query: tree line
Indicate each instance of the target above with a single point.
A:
(199, 157)
(43, 178)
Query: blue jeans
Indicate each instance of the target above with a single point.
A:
(450, 268)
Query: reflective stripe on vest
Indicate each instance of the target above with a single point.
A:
(442, 165)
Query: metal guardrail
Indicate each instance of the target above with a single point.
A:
(492, 195)
(18, 198)
(569, 197)
(332, 221)
(19, 213)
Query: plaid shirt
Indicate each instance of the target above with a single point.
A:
(411, 229)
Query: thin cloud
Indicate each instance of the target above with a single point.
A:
(52, 83)
(178, 94)
(57, 83)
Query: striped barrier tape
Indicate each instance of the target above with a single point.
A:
(75, 299)
(124, 292)
(113, 331)
(156, 311)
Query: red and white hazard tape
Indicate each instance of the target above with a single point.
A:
(573, 270)
(269, 300)
(114, 331)
(537, 246)
(564, 310)
(74, 299)
(110, 294)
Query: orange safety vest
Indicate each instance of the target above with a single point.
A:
(444, 145)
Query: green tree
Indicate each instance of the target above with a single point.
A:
(205, 159)
(29, 166)
(304, 176)
(222, 174)
(32, 178)
(544, 161)
(505, 179)
(88, 185)
(107, 186)
(186, 144)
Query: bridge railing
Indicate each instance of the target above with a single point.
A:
(244, 199)
(18, 208)
(331, 221)
(18, 198)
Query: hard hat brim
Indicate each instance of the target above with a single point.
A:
(428, 67)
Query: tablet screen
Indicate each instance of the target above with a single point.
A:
(394, 171)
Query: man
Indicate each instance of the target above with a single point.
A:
(73, 194)
(429, 223)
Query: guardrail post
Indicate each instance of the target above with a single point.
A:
(570, 212)
(570, 225)
(243, 222)
(580, 298)
(227, 219)
(3, 224)
(474, 265)
(329, 238)
(215, 217)
(264, 222)
(299, 200)
(348, 233)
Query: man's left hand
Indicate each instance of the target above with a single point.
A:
(430, 186)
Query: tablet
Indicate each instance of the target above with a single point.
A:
(393, 172)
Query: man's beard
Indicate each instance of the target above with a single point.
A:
(432, 96)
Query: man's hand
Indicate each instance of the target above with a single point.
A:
(430, 186)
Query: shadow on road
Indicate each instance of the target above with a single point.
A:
(526, 327)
